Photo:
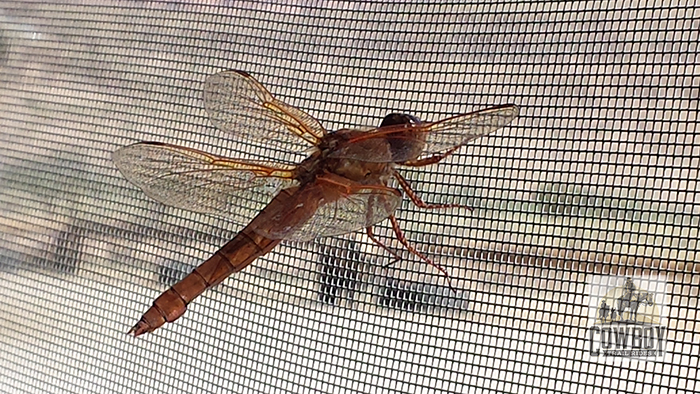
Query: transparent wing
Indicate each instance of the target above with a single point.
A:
(457, 131)
(197, 181)
(310, 216)
(240, 105)
(408, 142)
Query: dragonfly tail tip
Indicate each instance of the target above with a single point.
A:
(137, 330)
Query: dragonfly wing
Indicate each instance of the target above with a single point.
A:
(240, 105)
(399, 143)
(308, 216)
(459, 130)
(197, 181)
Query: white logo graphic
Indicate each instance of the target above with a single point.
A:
(626, 317)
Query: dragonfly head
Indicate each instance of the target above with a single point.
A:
(403, 142)
(399, 119)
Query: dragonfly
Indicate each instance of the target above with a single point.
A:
(344, 184)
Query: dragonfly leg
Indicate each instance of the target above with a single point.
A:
(429, 160)
(404, 242)
(417, 200)
(370, 234)
(348, 187)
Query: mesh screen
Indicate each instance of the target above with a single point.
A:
(598, 175)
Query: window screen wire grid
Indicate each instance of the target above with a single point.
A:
(598, 175)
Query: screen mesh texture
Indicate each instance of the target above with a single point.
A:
(597, 176)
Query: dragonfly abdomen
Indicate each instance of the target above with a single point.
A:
(237, 254)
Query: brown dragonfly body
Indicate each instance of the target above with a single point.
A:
(242, 250)
(343, 186)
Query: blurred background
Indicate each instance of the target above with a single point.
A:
(598, 175)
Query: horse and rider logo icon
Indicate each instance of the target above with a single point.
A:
(626, 317)
(628, 305)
